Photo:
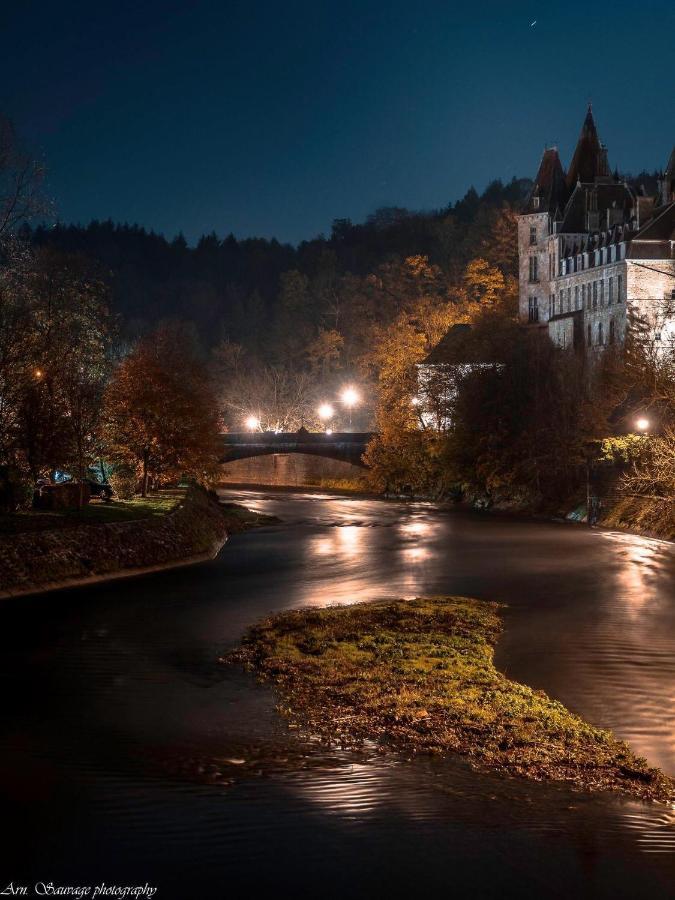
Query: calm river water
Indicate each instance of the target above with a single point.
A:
(129, 755)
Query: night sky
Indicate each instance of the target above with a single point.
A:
(273, 119)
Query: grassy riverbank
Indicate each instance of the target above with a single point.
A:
(168, 528)
(419, 676)
(651, 516)
(96, 512)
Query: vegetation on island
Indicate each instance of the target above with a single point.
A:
(418, 676)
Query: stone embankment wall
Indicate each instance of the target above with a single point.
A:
(290, 469)
(61, 557)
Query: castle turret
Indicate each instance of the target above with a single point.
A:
(589, 162)
(549, 192)
(535, 226)
(667, 182)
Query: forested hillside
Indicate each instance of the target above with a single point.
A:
(234, 288)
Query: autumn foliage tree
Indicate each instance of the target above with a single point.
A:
(160, 412)
(404, 455)
(55, 332)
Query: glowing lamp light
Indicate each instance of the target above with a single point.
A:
(642, 424)
(350, 396)
(252, 423)
(326, 411)
(329, 430)
(38, 373)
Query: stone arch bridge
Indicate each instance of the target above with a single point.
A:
(343, 446)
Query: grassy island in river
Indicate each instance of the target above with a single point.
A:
(419, 676)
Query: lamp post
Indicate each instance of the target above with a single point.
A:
(350, 398)
(326, 413)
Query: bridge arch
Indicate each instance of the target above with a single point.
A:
(290, 470)
(341, 446)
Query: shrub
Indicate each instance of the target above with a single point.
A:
(16, 491)
(124, 482)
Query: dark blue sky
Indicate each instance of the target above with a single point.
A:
(272, 119)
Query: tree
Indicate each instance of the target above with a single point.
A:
(652, 472)
(54, 358)
(280, 398)
(397, 457)
(522, 425)
(15, 333)
(160, 411)
(294, 324)
(21, 178)
(323, 353)
(484, 284)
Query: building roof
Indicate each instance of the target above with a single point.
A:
(670, 168)
(656, 238)
(590, 157)
(667, 183)
(595, 198)
(549, 184)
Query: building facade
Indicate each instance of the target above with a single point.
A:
(595, 252)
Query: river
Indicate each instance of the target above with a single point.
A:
(129, 755)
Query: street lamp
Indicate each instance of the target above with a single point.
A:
(642, 425)
(326, 412)
(252, 423)
(350, 397)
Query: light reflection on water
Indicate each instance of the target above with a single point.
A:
(98, 678)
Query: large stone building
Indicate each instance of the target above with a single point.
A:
(592, 248)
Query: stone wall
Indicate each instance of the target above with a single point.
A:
(540, 288)
(650, 286)
(59, 557)
(290, 469)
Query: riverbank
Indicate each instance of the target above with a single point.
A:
(652, 517)
(419, 676)
(649, 516)
(171, 528)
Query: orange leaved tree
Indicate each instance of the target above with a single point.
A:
(160, 412)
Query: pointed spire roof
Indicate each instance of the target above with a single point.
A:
(667, 181)
(670, 167)
(590, 157)
(549, 184)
